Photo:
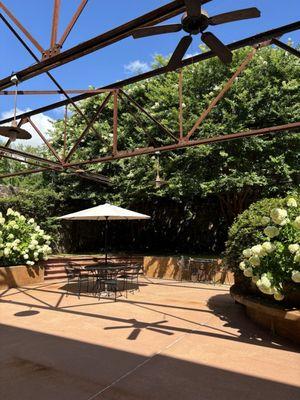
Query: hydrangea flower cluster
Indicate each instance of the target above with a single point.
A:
(276, 260)
(22, 241)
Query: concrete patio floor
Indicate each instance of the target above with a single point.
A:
(171, 340)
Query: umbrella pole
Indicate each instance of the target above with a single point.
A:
(105, 239)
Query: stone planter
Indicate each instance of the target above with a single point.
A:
(247, 287)
(274, 317)
(20, 275)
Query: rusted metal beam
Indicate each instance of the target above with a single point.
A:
(22, 28)
(115, 123)
(72, 22)
(47, 92)
(166, 130)
(180, 118)
(222, 93)
(7, 144)
(55, 19)
(88, 176)
(49, 164)
(121, 32)
(47, 143)
(26, 172)
(190, 143)
(136, 116)
(65, 132)
(20, 160)
(250, 41)
(286, 47)
(25, 155)
(87, 128)
(60, 88)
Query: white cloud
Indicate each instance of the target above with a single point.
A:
(42, 121)
(137, 66)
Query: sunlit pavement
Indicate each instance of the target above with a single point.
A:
(170, 340)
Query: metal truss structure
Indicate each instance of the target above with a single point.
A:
(53, 57)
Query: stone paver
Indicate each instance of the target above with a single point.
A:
(173, 340)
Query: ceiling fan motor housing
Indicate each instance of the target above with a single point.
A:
(195, 24)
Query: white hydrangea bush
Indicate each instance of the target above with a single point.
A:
(275, 260)
(22, 241)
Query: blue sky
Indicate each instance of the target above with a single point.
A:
(119, 60)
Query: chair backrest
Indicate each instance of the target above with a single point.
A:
(70, 271)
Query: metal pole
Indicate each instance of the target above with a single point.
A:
(180, 105)
(115, 123)
(105, 239)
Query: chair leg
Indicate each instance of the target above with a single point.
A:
(79, 287)
(68, 283)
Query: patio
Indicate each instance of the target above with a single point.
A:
(169, 340)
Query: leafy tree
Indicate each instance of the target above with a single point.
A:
(229, 175)
(237, 172)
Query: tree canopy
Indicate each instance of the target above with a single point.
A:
(231, 175)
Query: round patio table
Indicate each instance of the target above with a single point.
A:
(102, 271)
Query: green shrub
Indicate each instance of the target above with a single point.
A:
(21, 240)
(264, 243)
(42, 205)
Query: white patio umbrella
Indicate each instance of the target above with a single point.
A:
(105, 212)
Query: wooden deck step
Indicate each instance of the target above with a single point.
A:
(62, 276)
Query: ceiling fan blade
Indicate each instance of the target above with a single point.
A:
(156, 30)
(179, 52)
(217, 47)
(193, 8)
(232, 16)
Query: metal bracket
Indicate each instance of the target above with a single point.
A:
(53, 51)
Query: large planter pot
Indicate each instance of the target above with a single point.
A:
(20, 275)
(275, 317)
(245, 286)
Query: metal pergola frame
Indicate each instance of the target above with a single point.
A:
(54, 57)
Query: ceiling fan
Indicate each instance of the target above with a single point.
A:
(194, 21)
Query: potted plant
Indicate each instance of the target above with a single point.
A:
(22, 244)
(264, 250)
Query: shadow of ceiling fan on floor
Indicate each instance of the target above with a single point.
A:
(194, 21)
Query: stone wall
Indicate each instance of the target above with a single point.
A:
(186, 268)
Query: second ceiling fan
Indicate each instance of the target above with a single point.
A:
(194, 21)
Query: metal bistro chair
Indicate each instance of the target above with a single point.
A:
(109, 283)
(203, 270)
(131, 276)
(76, 274)
(96, 275)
